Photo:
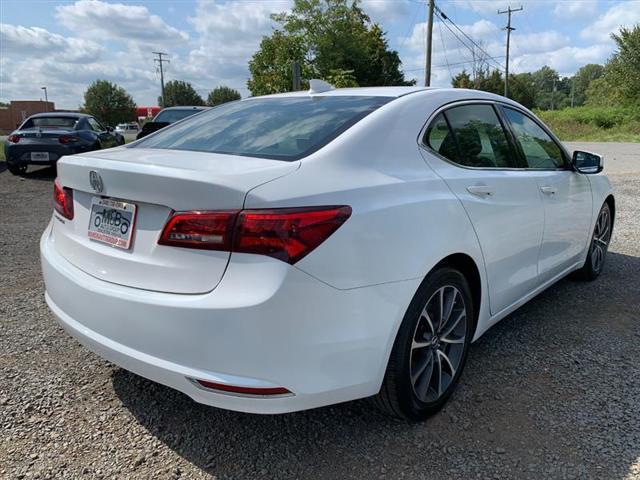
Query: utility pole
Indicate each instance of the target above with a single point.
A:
(295, 75)
(509, 29)
(427, 60)
(160, 61)
(46, 99)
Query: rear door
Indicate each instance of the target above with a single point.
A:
(566, 194)
(472, 154)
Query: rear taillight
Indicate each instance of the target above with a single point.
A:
(63, 200)
(65, 139)
(205, 230)
(13, 138)
(287, 234)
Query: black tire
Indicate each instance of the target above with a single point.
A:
(17, 169)
(398, 395)
(598, 246)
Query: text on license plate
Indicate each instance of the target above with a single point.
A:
(112, 221)
(39, 156)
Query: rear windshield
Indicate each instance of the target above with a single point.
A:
(286, 128)
(51, 122)
(171, 116)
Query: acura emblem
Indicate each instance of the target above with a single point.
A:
(95, 180)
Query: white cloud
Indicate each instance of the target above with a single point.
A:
(117, 21)
(382, 11)
(623, 14)
(37, 42)
(575, 9)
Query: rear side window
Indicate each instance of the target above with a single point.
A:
(51, 122)
(537, 146)
(479, 137)
(95, 125)
(285, 128)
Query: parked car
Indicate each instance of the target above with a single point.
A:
(127, 128)
(286, 252)
(167, 116)
(45, 137)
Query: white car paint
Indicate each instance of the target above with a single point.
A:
(324, 327)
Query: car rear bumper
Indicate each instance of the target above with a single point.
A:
(267, 324)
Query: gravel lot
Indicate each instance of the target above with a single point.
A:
(553, 391)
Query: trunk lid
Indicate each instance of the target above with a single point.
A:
(158, 182)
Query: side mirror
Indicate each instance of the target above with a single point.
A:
(587, 162)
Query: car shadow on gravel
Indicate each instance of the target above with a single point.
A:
(525, 377)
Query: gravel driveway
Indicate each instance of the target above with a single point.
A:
(553, 391)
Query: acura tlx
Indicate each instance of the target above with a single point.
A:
(291, 251)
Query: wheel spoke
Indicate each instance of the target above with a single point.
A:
(453, 325)
(443, 357)
(450, 302)
(422, 368)
(437, 375)
(418, 344)
(425, 316)
(441, 301)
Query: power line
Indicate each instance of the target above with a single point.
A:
(444, 50)
(473, 42)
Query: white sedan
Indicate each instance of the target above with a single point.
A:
(286, 252)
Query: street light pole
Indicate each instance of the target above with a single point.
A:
(46, 99)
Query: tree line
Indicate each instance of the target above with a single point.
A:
(335, 40)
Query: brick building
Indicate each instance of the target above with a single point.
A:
(20, 110)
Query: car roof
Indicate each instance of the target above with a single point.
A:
(393, 92)
(60, 114)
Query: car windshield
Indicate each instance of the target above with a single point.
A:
(285, 128)
(51, 122)
(172, 116)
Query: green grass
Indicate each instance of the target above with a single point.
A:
(594, 124)
(1, 150)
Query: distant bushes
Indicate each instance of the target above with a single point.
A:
(597, 124)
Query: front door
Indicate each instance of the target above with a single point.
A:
(502, 200)
(566, 195)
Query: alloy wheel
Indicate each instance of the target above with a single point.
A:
(438, 344)
(601, 237)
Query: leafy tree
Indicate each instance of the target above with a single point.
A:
(222, 94)
(342, 78)
(462, 80)
(582, 79)
(271, 65)
(324, 36)
(109, 103)
(522, 89)
(620, 83)
(179, 93)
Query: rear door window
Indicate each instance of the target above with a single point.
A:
(282, 128)
(480, 139)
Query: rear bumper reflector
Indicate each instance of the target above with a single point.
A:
(244, 391)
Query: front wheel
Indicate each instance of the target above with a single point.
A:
(430, 349)
(598, 247)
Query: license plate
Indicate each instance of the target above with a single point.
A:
(40, 156)
(112, 221)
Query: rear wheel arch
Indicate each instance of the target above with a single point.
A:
(612, 206)
(468, 267)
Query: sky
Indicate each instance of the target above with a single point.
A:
(65, 45)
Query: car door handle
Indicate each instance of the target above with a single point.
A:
(549, 190)
(480, 190)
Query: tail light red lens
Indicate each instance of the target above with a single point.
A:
(288, 234)
(205, 230)
(13, 138)
(65, 139)
(63, 200)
